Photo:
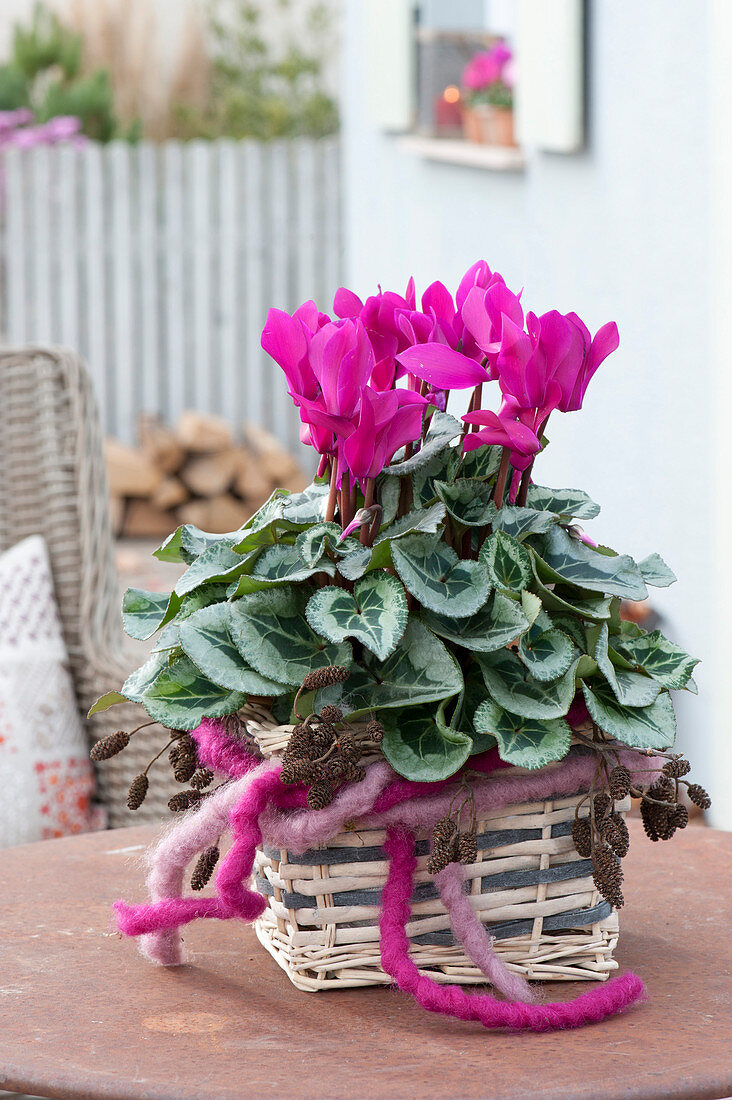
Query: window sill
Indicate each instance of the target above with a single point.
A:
(494, 158)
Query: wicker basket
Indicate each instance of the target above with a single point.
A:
(529, 887)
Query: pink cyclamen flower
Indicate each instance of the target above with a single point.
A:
(502, 431)
(442, 367)
(387, 421)
(528, 361)
(575, 372)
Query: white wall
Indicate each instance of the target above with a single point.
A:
(621, 231)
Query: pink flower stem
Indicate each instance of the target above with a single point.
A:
(367, 528)
(502, 478)
(332, 495)
(523, 492)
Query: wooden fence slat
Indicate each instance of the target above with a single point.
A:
(230, 390)
(39, 227)
(151, 390)
(93, 273)
(15, 267)
(66, 265)
(254, 278)
(199, 229)
(118, 156)
(174, 358)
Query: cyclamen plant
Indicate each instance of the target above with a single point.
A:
(424, 582)
(488, 77)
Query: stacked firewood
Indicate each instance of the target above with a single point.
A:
(197, 472)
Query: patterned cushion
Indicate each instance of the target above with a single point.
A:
(45, 774)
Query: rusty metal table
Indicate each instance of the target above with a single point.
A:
(83, 1015)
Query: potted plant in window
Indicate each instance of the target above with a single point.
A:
(412, 678)
(488, 96)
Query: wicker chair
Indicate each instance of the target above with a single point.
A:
(53, 483)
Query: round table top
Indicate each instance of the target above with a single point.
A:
(84, 1015)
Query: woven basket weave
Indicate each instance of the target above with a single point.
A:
(529, 887)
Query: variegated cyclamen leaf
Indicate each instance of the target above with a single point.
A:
(507, 683)
(419, 520)
(497, 624)
(375, 614)
(443, 428)
(468, 500)
(145, 612)
(187, 543)
(524, 742)
(652, 727)
(482, 462)
(206, 639)
(521, 522)
(507, 562)
(181, 696)
(421, 670)
(312, 544)
(143, 677)
(437, 578)
(566, 503)
(566, 559)
(273, 636)
(423, 480)
(632, 689)
(655, 571)
(218, 562)
(593, 608)
(420, 748)
(283, 563)
(261, 528)
(668, 664)
(547, 654)
(305, 508)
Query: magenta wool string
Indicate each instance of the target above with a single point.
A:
(452, 1000)
(475, 938)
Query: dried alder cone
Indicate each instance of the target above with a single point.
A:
(322, 751)
(602, 836)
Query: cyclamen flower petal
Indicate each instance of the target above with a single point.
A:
(346, 303)
(576, 371)
(497, 431)
(478, 275)
(442, 367)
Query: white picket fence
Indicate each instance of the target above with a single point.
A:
(158, 263)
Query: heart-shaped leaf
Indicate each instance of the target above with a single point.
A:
(482, 462)
(468, 500)
(188, 543)
(667, 663)
(521, 522)
(654, 571)
(273, 636)
(421, 670)
(632, 689)
(419, 520)
(566, 503)
(305, 508)
(443, 428)
(312, 544)
(437, 578)
(145, 612)
(507, 683)
(594, 608)
(547, 654)
(376, 613)
(652, 727)
(507, 562)
(181, 696)
(420, 748)
(206, 639)
(524, 742)
(423, 480)
(566, 559)
(497, 624)
(143, 677)
(218, 562)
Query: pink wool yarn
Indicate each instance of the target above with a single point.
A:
(259, 808)
(452, 1000)
(475, 938)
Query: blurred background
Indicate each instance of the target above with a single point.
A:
(169, 170)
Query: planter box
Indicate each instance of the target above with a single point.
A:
(531, 889)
